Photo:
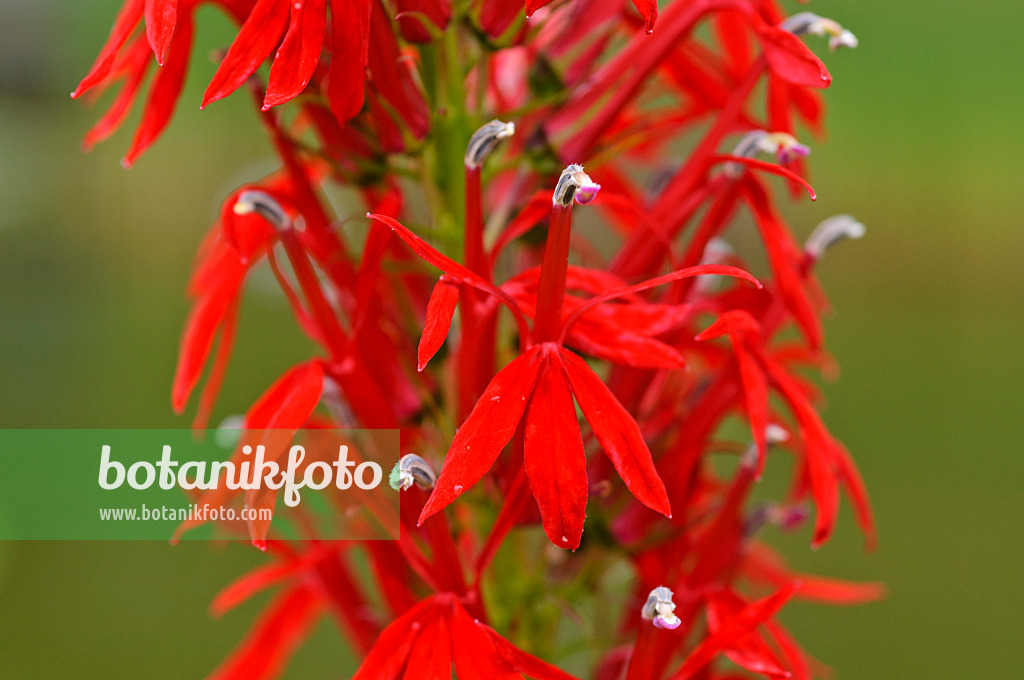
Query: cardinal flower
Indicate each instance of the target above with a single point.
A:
(539, 387)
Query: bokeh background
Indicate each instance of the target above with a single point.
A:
(925, 147)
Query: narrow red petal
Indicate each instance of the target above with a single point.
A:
(391, 651)
(773, 168)
(523, 663)
(137, 64)
(431, 656)
(440, 308)
(791, 60)
(273, 638)
(688, 272)
(649, 11)
(745, 332)
(225, 345)
(290, 401)
(299, 53)
(475, 656)
(161, 16)
(347, 74)
(749, 651)
(164, 93)
(486, 431)
(255, 40)
(196, 341)
(617, 433)
(497, 15)
(247, 585)
(124, 24)
(534, 5)
(554, 458)
(746, 621)
(785, 258)
(453, 268)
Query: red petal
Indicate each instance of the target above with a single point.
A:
(161, 16)
(497, 15)
(273, 638)
(164, 93)
(790, 59)
(392, 78)
(475, 655)
(440, 309)
(124, 24)
(225, 345)
(254, 42)
(649, 11)
(453, 268)
(773, 168)
(137, 63)
(689, 272)
(244, 587)
(347, 73)
(486, 431)
(203, 322)
(617, 432)
(762, 564)
(624, 348)
(431, 656)
(746, 621)
(290, 401)
(745, 332)
(784, 257)
(858, 493)
(523, 663)
(750, 651)
(414, 16)
(299, 53)
(391, 651)
(534, 5)
(554, 458)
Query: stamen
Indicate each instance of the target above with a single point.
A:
(783, 146)
(574, 184)
(660, 609)
(830, 232)
(409, 470)
(483, 141)
(265, 205)
(811, 24)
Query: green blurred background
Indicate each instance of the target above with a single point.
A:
(924, 147)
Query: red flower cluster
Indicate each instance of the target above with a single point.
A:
(636, 332)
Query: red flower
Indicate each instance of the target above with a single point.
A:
(542, 384)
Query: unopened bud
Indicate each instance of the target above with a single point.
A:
(811, 24)
(574, 184)
(411, 469)
(483, 141)
(660, 609)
